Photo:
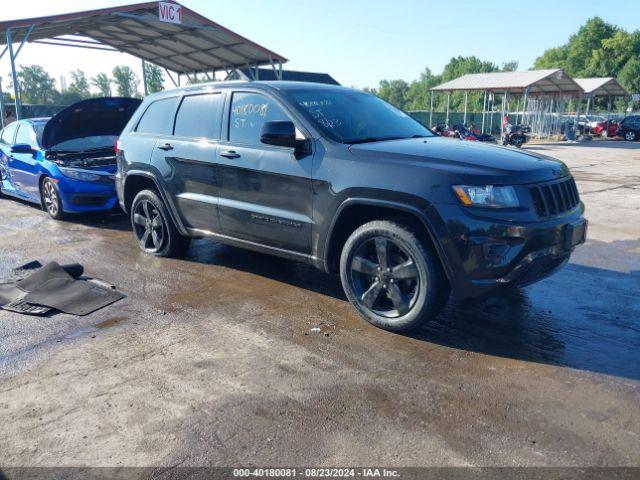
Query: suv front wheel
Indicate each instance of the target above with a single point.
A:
(390, 277)
(153, 227)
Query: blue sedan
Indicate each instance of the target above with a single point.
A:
(66, 163)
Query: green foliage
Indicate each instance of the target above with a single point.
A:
(598, 49)
(630, 75)
(552, 58)
(79, 84)
(36, 85)
(155, 78)
(126, 81)
(394, 91)
(102, 82)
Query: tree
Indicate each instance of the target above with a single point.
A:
(79, 84)
(419, 94)
(394, 92)
(155, 78)
(36, 85)
(510, 66)
(630, 75)
(552, 58)
(126, 81)
(103, 83)
(576, 55)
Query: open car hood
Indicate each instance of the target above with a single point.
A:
(89, 118)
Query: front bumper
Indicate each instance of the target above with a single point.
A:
(79, 196)
(486, 256)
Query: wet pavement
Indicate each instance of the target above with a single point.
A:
(229, 357)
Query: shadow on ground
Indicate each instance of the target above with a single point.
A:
(583, 317)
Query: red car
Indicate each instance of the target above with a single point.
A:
(607, 128)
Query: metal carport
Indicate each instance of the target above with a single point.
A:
(193, 44)
(532, 82)
(601, 87)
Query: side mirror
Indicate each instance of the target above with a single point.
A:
(281, 134)
(22, 148)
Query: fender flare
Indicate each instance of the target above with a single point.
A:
(417, 212)
(170, 206)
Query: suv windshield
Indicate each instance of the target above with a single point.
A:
(349, 116)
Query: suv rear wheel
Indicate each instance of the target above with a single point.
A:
(390, 277)
(153, 227)
(630, 136)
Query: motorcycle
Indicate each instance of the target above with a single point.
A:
(470, 134)
(444, 130)
(515, 135)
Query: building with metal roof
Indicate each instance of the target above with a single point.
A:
(166, 34)
(534, 81)
(601, 86)
(287, 75)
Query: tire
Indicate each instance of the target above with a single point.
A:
(50, 199)
(630, 136)
(153, 228)
(391, 278)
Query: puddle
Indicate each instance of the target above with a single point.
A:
(111, 322)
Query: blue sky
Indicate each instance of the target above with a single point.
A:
(361, 42)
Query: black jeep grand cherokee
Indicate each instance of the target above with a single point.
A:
(344, 181)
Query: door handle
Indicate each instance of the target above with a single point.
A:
(166, 147)
(230, 154)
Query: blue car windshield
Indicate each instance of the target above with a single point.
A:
(86, 143)
(350, 116)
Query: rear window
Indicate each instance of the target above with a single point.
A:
(158, 117)
(199, 116)
(7, 134)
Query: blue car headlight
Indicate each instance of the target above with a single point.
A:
(492, 196)
(78, 174)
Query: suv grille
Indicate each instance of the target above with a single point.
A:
(554, 198)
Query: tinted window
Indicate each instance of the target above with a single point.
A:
(158, 118)
(199, 116)
(26, 135)
(7, 134)
(249, 111)
(350, 116)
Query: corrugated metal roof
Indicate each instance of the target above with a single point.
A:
(538, 81)
(287, 75)
(601, 86)
(197, 44)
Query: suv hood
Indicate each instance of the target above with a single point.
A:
(89, 118)
(472, 161)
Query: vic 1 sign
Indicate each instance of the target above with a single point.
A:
(170, 12)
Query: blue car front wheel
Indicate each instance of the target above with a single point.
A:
(51, 199)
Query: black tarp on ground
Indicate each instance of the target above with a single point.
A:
(54, 287)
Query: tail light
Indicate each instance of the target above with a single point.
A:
(116, 147)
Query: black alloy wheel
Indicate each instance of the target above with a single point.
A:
(384, 277)
(391, 276)
(153, 227)
(149, 226)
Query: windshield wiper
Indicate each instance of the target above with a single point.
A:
(371, 139)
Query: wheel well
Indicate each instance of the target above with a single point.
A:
(134, 185)
(354, 216)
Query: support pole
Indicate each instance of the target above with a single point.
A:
(484, 109)
(586, 112)
(524, 104)
(2, 119)
(448, 103)
(431, 111)
(504, 99)
(466, 99)
(14, 75)
(144, 78)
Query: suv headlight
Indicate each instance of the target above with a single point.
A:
(492, 196)
(78, 174)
